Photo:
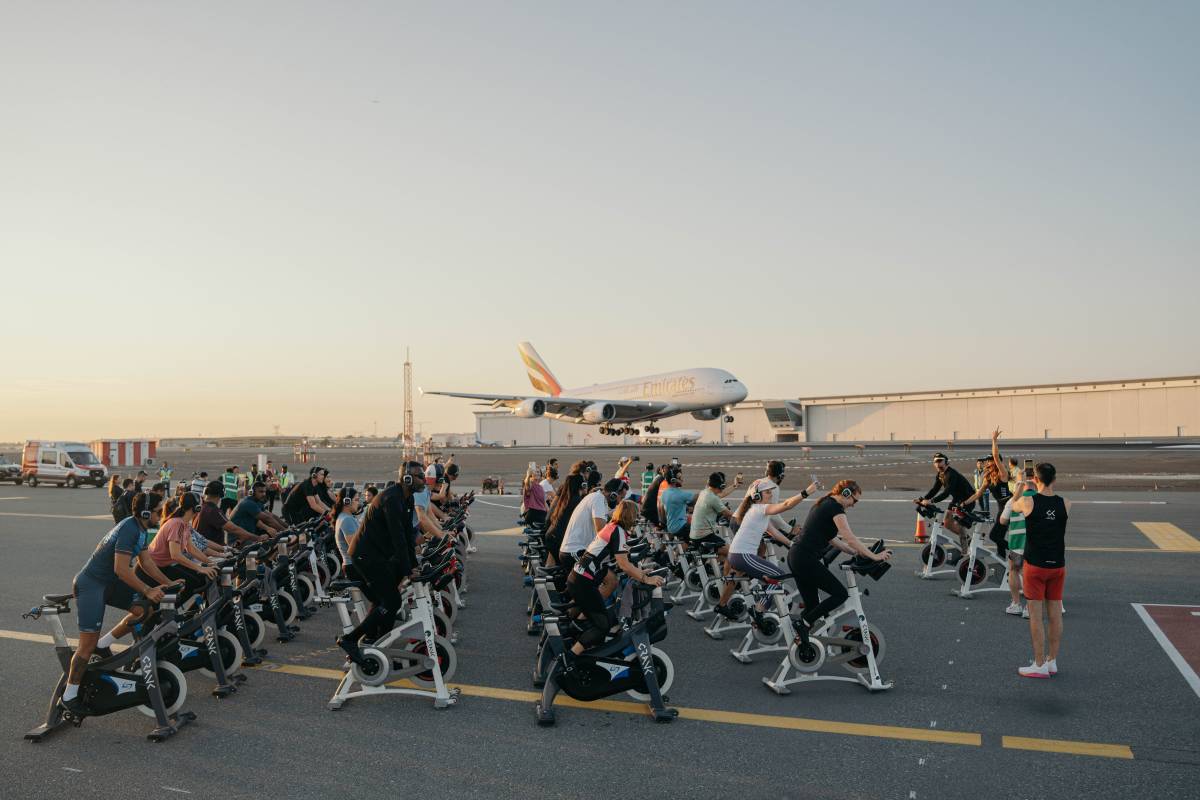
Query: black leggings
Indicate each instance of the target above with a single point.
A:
(193, 581)
(381, 581)
(811, 575)
(589, 600)
(535, 516)
(353, 574)
(998, 535)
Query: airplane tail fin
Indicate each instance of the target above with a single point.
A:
(539, 374)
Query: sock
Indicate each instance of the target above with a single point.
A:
(71, 691)
(107, 640)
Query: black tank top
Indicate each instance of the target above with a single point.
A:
(1045, 530)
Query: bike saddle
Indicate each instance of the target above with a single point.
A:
(342, 584)
(56, 599)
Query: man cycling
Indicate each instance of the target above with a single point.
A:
(251, 512)
(109, 578)
(304, 501)
(949, 483)
(212, 523)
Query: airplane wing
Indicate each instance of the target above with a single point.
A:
(570, 407)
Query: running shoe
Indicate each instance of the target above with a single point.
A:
(1052, 666)
(1035, 671)
(1025, 612)
(74, 706)
(725, 612)
(1014, 609)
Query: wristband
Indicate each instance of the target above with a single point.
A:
(804, 494)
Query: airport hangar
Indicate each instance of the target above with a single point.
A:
(1118, 410)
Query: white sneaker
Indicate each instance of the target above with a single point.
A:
(1024, 612)
(1052, 666)
(1015, 609)
(1035, 671)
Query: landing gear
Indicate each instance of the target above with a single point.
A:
(652, 429)
(729, 417)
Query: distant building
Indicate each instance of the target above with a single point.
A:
(1151, 407)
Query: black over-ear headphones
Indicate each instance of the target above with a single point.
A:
(720, 476)
(611, 497)
(847, 492)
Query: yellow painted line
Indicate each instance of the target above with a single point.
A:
(702, 714)
(772, 721)
(1084, 549)
(501, 532)
(1071, 748)
(1168, 537)
(54, 516)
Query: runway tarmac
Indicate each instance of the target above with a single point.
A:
(1119, 720)
(1091, 468)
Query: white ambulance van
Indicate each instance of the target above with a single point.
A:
(69, 464)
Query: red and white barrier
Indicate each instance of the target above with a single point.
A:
(124, 452)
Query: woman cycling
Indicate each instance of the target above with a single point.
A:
(533, 497)
(345, 509)
(569, 496)
(826, 524)
(995, 482)
(754, 521)
(173, 550)
(611, 546)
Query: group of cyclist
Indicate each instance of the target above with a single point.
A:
(589, 521)
(163, 538)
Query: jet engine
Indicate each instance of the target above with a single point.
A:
(707, 414)
(599, 412)
(530, 407)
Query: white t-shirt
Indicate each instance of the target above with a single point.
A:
(750, 531)
(767, 485)
(580, 528)
(547, 488)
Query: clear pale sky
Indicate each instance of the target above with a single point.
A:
(220, 217)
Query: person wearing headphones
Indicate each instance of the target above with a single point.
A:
(109, 578)
(951, 483)
(173, 550)
(304, 501)
(709, 509)
(346, 524)
(673, 505)
(756, 519)
(384, 555)
(826, 524)
(590, 516)
(609, 547)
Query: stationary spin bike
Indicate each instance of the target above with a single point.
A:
(851, 643)
(980, 562)
(942, 547)
(132, 678)
(411, 650)
(627, 662)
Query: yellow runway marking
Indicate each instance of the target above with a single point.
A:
(962, 738)
(501, 532)
(1168, 537)
(1073, 748)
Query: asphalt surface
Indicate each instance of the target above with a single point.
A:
(953, 662)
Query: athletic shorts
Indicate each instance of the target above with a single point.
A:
(755, 566)
(1042, 583)
(714, 539)
(91, 596)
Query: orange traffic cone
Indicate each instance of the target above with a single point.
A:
(920, 535)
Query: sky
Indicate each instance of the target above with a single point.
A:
(218, 218)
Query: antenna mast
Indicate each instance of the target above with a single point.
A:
(409, 442)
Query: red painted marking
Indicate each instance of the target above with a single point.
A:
(1182, 627)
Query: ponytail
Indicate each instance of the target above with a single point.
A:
(344, 496)
(841, 486)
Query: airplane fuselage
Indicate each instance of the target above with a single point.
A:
(683, 391)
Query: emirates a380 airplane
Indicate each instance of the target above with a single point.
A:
(706, 393)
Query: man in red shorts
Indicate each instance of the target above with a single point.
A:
(1045, 567)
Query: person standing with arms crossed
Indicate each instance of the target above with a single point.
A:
(1045, 568)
